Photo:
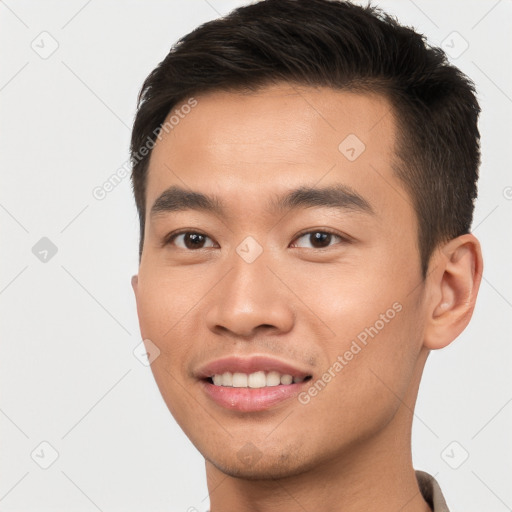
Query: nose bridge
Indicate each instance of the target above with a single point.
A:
(250, 295)
(249, 260)
(249, 278)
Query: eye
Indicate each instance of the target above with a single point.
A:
(318, 239)
(193, 240)
(189, 240)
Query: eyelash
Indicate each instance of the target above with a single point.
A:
(172, 236)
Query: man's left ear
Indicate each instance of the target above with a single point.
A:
(453, 283)
(135, 282)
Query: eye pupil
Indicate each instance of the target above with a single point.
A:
(320, 236)
(193, 240)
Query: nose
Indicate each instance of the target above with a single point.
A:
(249, 299)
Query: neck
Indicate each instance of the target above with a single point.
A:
(375, 474)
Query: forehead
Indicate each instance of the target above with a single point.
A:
(248, 146)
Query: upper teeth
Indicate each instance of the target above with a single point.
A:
(253, 380)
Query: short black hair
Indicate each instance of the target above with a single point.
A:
(344, 46)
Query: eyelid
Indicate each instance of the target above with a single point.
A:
(344, 237)
(332, 231)
(168, 239)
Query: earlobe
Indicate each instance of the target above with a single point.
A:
(454, 287)
(135, 282)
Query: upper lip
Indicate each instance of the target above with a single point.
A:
(249, 365)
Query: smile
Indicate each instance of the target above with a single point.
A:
(259, 379)
(249, 384)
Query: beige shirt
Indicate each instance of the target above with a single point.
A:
(430, 491)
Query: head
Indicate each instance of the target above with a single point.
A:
(304, 173)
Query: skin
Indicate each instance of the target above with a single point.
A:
(349, 448)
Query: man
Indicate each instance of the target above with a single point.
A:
(304, 173)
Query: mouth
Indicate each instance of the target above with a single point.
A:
(255, 380)
(251, 384)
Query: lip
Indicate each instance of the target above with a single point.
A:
(250, 399)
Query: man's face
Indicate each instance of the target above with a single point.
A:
(253, 287)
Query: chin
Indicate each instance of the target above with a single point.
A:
(249, 464)
(259, 472)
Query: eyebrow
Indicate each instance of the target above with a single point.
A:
(176, 199)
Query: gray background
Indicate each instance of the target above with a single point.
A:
(68, 373)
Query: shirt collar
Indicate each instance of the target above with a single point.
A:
(431, 492)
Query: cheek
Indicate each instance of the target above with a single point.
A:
(348, 298)
(376, 321)
(163, 320)
(163, 312)
(368, 379)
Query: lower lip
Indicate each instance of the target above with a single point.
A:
(251, 399)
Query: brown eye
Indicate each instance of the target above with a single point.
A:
(190, 240)
(317, 239)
